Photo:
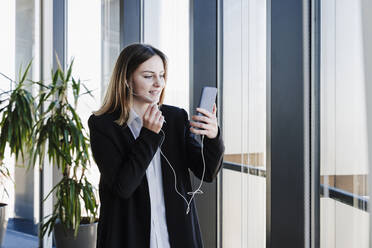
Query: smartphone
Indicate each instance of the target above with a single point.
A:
(207, 99)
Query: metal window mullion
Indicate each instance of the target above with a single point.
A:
(306, 22)
(288, 153)
(131, 22)
(315, 124)
(366, 9)
(220, 116)
(52, 26)
(204, 72)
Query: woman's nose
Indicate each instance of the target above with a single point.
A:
(158, 81)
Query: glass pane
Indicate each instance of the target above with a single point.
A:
(244, 123)
(166, 27)
(93, 43)
(19, 25)
(344, 165)
(110, 31)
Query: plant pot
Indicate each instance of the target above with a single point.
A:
(86, 237)
(3, 222)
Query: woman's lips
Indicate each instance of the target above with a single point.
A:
(154, 92)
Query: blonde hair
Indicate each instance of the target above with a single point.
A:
(119, 95)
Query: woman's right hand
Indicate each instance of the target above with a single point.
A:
(153, 119)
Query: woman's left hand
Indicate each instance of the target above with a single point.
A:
(207, 123)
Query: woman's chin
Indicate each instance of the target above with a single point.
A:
(153, 99)
(146, 99)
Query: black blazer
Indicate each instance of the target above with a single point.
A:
(123, 189)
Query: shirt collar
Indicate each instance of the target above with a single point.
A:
(133, 116)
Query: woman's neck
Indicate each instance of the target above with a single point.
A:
(140, 108)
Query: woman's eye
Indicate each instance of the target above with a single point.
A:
(162, 76)
(147, 77)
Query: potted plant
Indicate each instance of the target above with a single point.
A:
(17, 113)
(60, 134)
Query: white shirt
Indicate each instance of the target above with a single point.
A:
(159, 231)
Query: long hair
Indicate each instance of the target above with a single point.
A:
(118, 95)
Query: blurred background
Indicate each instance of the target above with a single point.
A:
(292, 105)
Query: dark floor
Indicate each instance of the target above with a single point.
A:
(15, 239)
(21, 233)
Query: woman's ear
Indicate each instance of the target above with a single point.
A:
(128, 83)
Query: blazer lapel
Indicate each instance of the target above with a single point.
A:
(165, 168)
(128, 136)
(175, 219)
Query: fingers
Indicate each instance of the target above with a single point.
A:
(199, 131)
(201, 125)
(205, 125)
(153, 118)
(204, 119)
(214, 111)
(161, 119)
(205, 112)
(157, 115)
(147, 113)
(208, 117)
(153, 112)
(209, 130)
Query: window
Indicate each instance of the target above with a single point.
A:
(19, 25)
(166, 27)
(93, 42)
(344, 165)
(244, 123)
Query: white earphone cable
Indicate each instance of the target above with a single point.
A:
(192, 193)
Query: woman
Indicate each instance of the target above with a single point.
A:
(133, 137)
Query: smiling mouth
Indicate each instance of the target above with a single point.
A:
(154, 92)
